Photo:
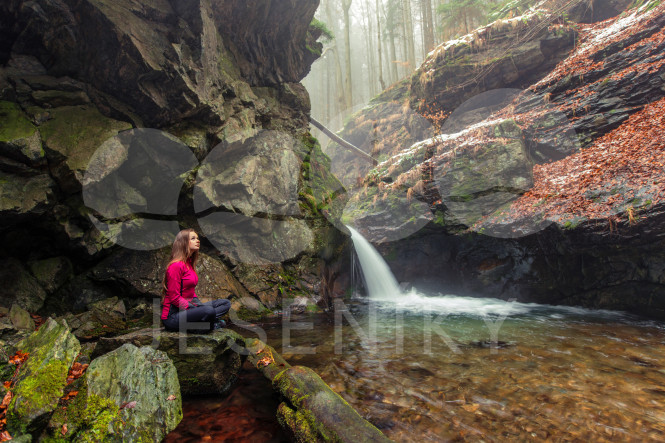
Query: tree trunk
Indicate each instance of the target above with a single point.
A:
(409, 37)
(378, 44)
(348, 92)
(371, 65)
(394, 75)
(339, 93)
(428, 25)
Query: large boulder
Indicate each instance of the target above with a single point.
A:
(41, 379)
(170, 59)
(71, 137)
(51, 273)
(129, 394)
(206, 363)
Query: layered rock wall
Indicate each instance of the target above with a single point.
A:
(124, 121)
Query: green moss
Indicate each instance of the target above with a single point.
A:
(322, 29)
(36, 394)
(99, 416)
(89, 418)
(75, 132)
(14, 124)
(319, 186)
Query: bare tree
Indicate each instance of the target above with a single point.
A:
(428, 25)
(378, 44)
(339, 86)
(409, 35)
(348, 84)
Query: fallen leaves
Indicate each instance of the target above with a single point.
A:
(76, 371)
(69, 395)
(265, 361)
(18, 359)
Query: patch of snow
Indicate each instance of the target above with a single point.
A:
(441, 138)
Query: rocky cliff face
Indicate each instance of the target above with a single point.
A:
(123, 121)
(547, 192)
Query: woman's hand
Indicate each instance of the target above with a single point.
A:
(193, 303)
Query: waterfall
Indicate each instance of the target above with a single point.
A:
(381, 283)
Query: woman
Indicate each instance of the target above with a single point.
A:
(180, 305)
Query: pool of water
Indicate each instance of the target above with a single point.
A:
(457, 368)
(245, 415)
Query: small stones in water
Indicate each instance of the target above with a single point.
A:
(491, 344)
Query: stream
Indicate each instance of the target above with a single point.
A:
(442, 367)
(489, 370)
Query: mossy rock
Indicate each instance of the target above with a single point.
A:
(22, 197)
(72, 136)
(51, 273)
(19, 138)
(206, 363)
(42, 378)
(314, 412)
(130, 394)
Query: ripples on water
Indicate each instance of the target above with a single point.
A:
(460, 368)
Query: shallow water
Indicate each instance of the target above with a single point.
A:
(457, 368)
(245, 415)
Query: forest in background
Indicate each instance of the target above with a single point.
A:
(372, 44)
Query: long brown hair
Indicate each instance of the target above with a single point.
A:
(180, 252)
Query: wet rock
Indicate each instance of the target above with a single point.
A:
(249, 308)
(312, 411)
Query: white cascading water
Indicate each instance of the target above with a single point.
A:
(383, 287)
(380, 281)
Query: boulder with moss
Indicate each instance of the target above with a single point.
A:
(206, 363)
(129, 394)
(42, 377)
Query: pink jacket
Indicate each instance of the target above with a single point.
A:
(176, 272)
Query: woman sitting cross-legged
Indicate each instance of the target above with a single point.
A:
(181, 308)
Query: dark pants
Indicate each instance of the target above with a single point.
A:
(205, 315)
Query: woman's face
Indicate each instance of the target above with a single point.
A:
(194, 242)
